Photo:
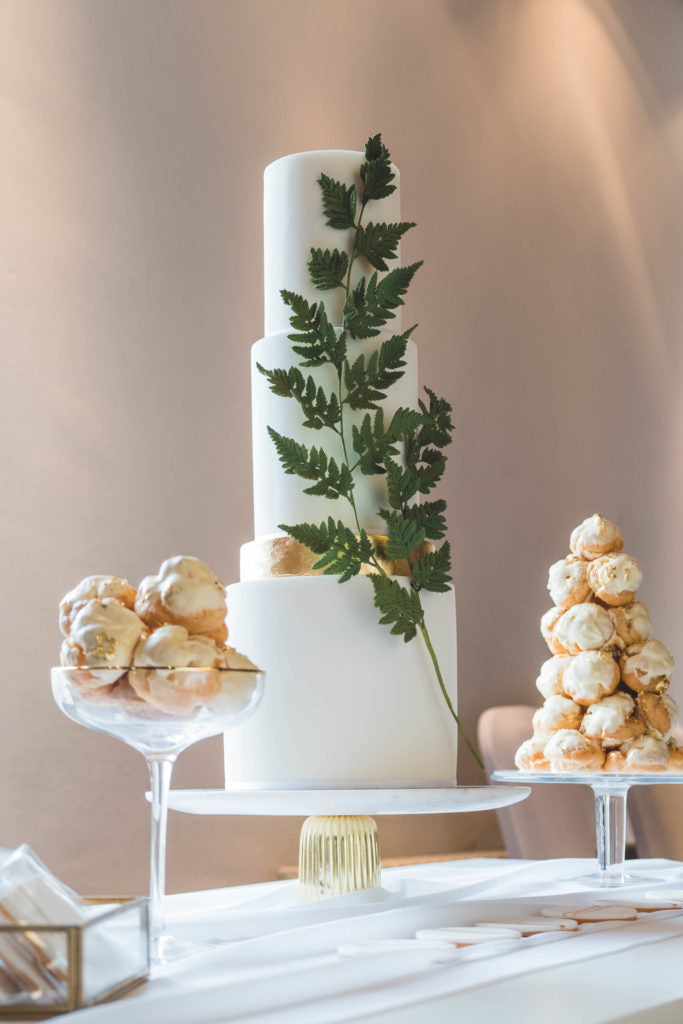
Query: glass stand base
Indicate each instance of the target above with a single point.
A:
(610, 792)
(600, 880)
(166, 949)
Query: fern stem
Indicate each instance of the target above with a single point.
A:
(352, 258)
(435, 662)
(350, 495)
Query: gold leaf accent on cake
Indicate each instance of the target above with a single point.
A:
(276, 555)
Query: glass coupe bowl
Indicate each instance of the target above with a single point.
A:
(159, 712)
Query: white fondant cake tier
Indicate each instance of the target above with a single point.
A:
(293, 223)
(279, 497)
(346, 703)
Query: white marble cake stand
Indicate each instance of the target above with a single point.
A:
(610, 791)
(338, 847)
(297, 802)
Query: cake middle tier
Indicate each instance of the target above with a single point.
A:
(346, 703)
(279, 497)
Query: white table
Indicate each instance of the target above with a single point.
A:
(282, 968)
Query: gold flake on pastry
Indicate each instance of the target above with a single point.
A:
(647, 666)
(90, 589)
(615, 578)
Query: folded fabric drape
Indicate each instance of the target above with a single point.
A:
(281, 964)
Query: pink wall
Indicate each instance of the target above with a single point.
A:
(541, 150)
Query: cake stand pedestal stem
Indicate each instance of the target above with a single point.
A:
(610, 832)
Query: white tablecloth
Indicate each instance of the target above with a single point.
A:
(281, 966)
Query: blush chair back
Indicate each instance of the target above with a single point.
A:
(555, 821)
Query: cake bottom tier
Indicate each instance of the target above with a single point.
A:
(346, 703)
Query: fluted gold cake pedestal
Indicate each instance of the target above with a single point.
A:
(338, 853)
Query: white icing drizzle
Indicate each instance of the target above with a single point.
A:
(646, 664)
(584, 626)
(646, 752)
(531, 754)
(549, 681)
(230, 658)
(106, 632)
(594, 536)
(89, 589)
(604, 719)
(632, 622)
(615, 574)
(185, 585)
(172, 646)
(570, 747)
(590, 676)
(558, 712)
(567, 582)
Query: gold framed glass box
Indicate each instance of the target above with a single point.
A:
(46, 969)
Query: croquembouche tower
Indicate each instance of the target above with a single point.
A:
(347, 703)
(605, 702)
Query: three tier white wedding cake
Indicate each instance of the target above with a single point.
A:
(347, 703)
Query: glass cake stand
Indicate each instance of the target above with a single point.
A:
(610, 791)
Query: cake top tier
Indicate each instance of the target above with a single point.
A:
(294, 223)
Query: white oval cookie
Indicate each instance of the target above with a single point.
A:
(372, 946)
(534, 925)
(469, 935)
(593, 912)
(667, 899)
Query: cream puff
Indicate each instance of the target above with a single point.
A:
(185, 592)
(615, 761)
(549, 681)
(531, 755)
(103, 635)
(584, 627)
(228, 657)
(646, 754)
(660, 714)
(90, 589)
(614, 578)
(675, 758)
(611, 721)
(568, 582)
(595, 536)
(174, 689)
(590, 676)
(647, 666)
(632, 623)
(556, 713)
(571, 751)
(548, 623)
